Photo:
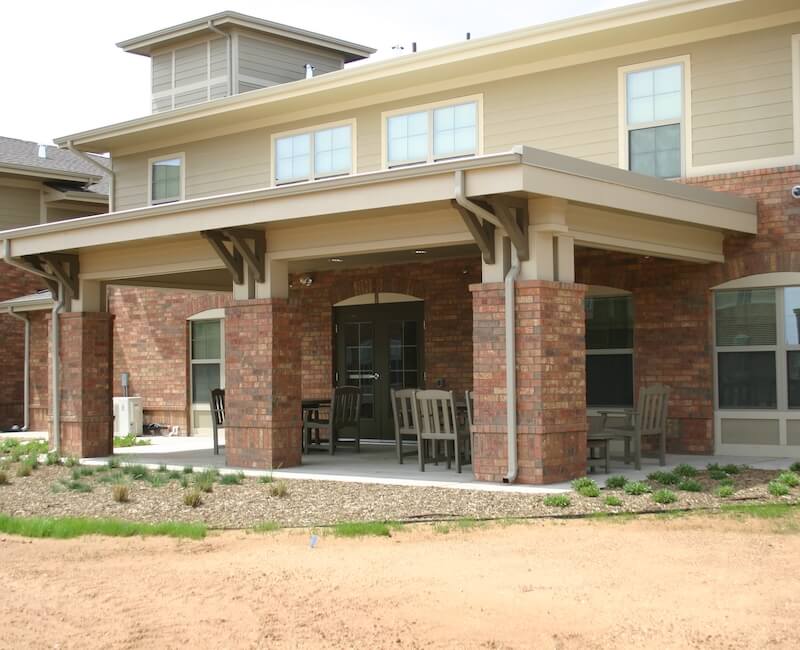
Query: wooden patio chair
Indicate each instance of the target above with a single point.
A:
(345, 414)
(217, 415)
(469, 396)
(405, 422)
(438, 421)
(648, 419)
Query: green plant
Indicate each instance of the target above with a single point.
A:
(79, 486)
(725, 491)
(589, 490)
(790, 479)
(188, 469)
(193, 498)
(778, 489)
(120, 493)
(684, 470)
(70, 527)
(636, 487)
(712, 466)
(174, 475)
(727, 481)
(717, 474)
(279, 489)
(137, 472)
(664, 478)
(5, 465)
(24, 469)
(232, 479)
(578, 483)
(795, 467)
(111, 477)
(267, 478)
(266, 527)
(70, 461)
(156, 479)
(557, 500)
(690, 485)
(616, 482)
(664, 496)
(730, 469)
(184, 481)
(3, 478)
(113, 462)
(52, 458)
(365, 528)
(614, 501)
(87, 471)
(130, 441)
(162, 467)
(204, 481)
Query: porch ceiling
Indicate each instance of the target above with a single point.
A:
(400, 210)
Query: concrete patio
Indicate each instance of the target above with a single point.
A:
(377, 463)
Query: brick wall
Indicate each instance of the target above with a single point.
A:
(13, 283)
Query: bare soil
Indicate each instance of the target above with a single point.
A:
(688, 582)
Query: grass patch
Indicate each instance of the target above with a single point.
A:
(70, 461)
(52, 459)
(204, 481)
(174, 475)
(557, 500)
(24, 469)
(232, 479)
(137, 472)
(188, 469)
(664, 478)
(790, 479)
(130, 441)
(685, 471)
(113, 463)
(365, 528)
(795, 467)
(664, 496)
(778, 489)
(591, 491)
(584, 481)
(613, 501)
(725, 491)
(70, 527)
(616, 482)
(119, 493)
(279, 489)
(762, 510)
(162, 467)
(267, 478)
(730, 469)
(636, 488)
(717, 474)
(690, 485)
(193, 498)
(157, 480)
(78, 486)
(111, 477)
(266, 527)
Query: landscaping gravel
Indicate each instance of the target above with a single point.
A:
(314, 503)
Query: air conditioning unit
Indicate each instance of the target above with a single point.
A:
(128, 416)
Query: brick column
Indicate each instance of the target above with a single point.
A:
(262, 384)
(86, 349)
(551, 382)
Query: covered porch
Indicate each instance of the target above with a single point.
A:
(461, 244)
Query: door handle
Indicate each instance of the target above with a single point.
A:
(366, 375)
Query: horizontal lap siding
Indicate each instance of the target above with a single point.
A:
(19, 206)
(273, 62)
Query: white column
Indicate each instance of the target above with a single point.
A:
(276, 283)
(550, 245)
(92, 297)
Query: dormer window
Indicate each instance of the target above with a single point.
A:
(313, 154)
(166, 179)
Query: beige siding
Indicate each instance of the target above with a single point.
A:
(19, 207)
(61, 214)
(741, 111)
(184, 76)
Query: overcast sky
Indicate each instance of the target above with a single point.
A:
(62, 72)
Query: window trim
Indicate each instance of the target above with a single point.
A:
(615, 293)
(151, 162)
(623, 128)
(212, 315)
(311, 130)
(796, 92)
(429, 108)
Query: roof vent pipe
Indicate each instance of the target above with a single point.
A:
(309, 71)
(469, 36)
(42, 153)
(414, 46)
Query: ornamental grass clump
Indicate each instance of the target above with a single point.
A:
(664, 478)
(3, 478)
(204, 481)
(613, 501)
(557, 501)
(586, 487)
(664, 496)
(778, 489)
(120, 493)
(616, 482)
(725, 491)
(232, 479)
(690, 485)
(684, 470)
(24, 469)
(193, 498)
(636, 488)
(790, 479)
(578, 483)
(279, 489)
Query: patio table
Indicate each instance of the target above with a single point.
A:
(312, 407)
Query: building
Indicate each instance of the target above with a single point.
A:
(621, 182)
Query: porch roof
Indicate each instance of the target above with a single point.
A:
(32, 302)
(609, 207)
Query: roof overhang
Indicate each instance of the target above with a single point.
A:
(594, 37)
(33, 302)
(601, 197)
(146, 43)
(49, 174)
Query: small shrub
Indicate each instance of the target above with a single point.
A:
(724, 491)
(684, 470)
(75, 473)
(156, 480)
(24, 469)
(120, 493)
(790, 479)
(184, 481)
(113, 463)
(192, 498)
(557, 500)
(712, 467)
(664, 496)
(578, 483)
(589, 490)
(204, 481)
(636, 487)
(616, 482)
(162, 468)
(664, 478)
(795, 467)
(111, 477)
(3, 478)
(188, 469)
(138, 472)
(232, 479)
(279, 489)
(690, 485)
(70, 461)
(79, 486)
(611, 500)
(267, 478)
(778, 489)
(52, 459)
(174, 475)
(726, 481)
(87, 471)
(717, 474)
(730, 469)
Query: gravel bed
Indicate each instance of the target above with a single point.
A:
(313, 503)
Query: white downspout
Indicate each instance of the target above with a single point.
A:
(229, 38)
(510, 316)
(26, 368)
(106, 170)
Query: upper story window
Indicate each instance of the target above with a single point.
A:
(312, 154)
(654, 115)
(166, 179)
(431, 133)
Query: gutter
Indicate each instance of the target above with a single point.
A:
(106, 170)
(26, 368)
(229, 37)
(510, 333)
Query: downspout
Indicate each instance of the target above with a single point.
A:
(106, 170)
(26, 368)
(58, 305)
(229, 38)
(510, 318)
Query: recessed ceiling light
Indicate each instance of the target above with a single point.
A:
(337, 260)
(420, 251)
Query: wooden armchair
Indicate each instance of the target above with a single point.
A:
(438, 421)
(405, 421)
(217, 415)
(345, 415)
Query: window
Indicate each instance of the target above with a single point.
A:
(166, 179)
(436, 133)
(206, 359)
(654, 120)
(609, 352)
(313, 154)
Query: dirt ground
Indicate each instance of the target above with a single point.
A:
(673, 583)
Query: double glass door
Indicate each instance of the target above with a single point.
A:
(379, 347)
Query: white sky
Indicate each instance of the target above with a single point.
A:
(62, 73)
